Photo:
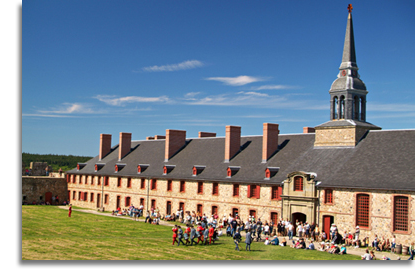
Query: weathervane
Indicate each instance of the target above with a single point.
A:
(350, 8)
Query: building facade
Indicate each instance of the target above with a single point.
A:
(345, 171)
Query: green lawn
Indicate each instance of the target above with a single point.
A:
(49, 234)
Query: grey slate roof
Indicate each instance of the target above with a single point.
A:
(382, 160)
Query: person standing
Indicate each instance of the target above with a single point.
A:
(211, 232)
(237, 239)
(180, 235)
(70, 210)
(192, 235)
(248, 241)
(175, 234)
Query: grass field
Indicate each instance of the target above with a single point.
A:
(49, 234)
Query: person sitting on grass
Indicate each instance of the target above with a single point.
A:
(367, 256)
(382, 243)
(302, 244)
(385, 258)
(275, 240)
(266, 241)
(343, 250)
(311, 245)
(283, 242)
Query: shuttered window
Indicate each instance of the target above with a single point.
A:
(328, 196)
(400, 214)
(298, 183)
(362, 210)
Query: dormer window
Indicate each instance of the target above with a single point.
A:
(98, 166)
(80, 166)
(271, 172)
(119, 167)
(167, 169)
(231, 171)
(141, 168)
(197, 170)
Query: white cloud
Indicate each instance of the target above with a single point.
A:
(112, 100)
(70, 108)
(274, 87)
(185, 65)
(236, 81)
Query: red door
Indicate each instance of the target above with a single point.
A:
(327, 221)
(48, 197)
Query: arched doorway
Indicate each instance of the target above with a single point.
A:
(300, 217)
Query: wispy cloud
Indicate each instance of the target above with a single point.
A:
(119, 101)
(185, 65)
(69, 108)
(275, 87)
(237, 81)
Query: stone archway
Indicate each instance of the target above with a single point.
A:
(300, 217)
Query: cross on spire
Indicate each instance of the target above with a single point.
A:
(350, 8)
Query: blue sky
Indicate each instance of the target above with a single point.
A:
(91, 67)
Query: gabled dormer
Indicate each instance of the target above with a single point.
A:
(98, 166)
(119, 167)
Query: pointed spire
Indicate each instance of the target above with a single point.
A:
(349, 53)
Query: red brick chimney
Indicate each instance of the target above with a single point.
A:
(232, 141)
(175, 140)
(309, 130)
(269, 140)
(206, 134)
(159, 137)
(125, 144)
(104, 145)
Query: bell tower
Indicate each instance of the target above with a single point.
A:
(348, 92)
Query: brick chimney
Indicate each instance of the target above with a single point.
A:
(125, 145)
(269, 140)
(309, 130)
(206, 134)
(159, 137)
(175, 140)
(104, 145)
(232, 141)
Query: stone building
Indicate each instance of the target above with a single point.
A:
(345, 171)
(37, 189)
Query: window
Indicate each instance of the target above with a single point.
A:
(85, 196)
(80, 180)
(106, 199)
(275, 192)
(182, 186)
(169, 185)
(118, 202)
(73, 178)
(99, 180)
(400, 214)
(74, 195)
(127, 201)
(142, 201)
(80, 196)
(68, 178)
(86, 179)
(253, 191)
(153, 203)
(235, 189)
(153, 184)
(214, 210)
(129, 182)
(143, 183)
(252, 213)
(106, 181)
(362, 210)
(298, 183)
(328, 196)
(181, 206)
(215, 189)
(91, 197)
(199, 209)
(200, 187)
(119, 182)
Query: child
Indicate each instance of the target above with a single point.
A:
(237, 239)
(266, 241)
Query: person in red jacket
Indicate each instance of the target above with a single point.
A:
(211, 231)
(175, 234)
(187, 234)
(200, 230)
(70, 210)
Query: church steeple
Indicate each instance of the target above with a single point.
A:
(348, 92)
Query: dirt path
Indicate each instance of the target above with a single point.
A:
(350, 249)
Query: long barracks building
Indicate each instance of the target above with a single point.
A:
(345, 171)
